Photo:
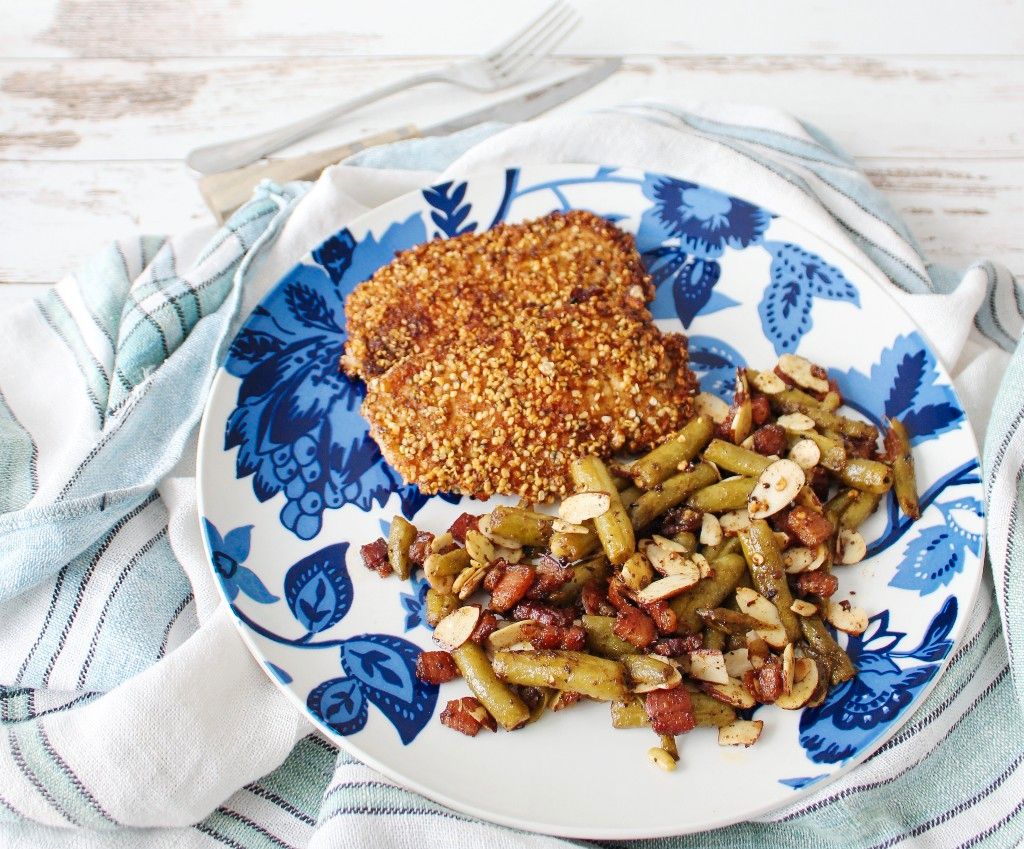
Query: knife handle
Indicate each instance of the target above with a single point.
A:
(228, 190)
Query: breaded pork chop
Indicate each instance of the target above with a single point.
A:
(446, 290)
(507, 412)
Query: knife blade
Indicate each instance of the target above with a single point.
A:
(226, 191)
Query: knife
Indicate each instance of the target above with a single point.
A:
(228, 190)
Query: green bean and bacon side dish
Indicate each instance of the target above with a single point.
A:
(683, 588)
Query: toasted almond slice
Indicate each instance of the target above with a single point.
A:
(805, 453)
(576, 509)
(509, 555)
(758, 651)
(667, 562)
(787, 668)
(479, 547)
(798, 559)
(768, 382)
(756, 605)
(778, 485)
(802, 372)
(733, 693)
(740, 732)
(850, 547)
(710, 530)
(650, 672)
(795, 422)
(805, 682)
(803, 608)
(734, 521)
(636, 572)
(847, 618)
(441, 541)
(781, 539)
(748, 443)
(563, 527)
(702, 564)
(706, 404)
(452, 631)
(742, 418)
(669, 544)
(708, 665)
(511, 635)
(737, 662)
(670, 586)
(661, 758)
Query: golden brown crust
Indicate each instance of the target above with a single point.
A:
(444, 291)
(506, 412)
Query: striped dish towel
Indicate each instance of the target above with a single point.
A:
(132, 714)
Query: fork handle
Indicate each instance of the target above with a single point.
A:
(225, 156)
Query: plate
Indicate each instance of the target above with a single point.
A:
(291, 485)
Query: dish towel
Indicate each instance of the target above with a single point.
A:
(132, 713)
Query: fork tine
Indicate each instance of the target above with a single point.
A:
(539, 47)
(511, 43)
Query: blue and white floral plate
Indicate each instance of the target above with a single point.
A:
(291, 485)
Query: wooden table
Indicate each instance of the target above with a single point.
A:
(101, 99)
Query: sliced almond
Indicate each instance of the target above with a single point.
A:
(805, 682)
(847, 618)
(710, 530)
(748, 443)
(636, 572)
(734, 521)
(795, 422)
(850, 547)
(781, 539)
(441, 541)
(563, 527)
(775, 489)
(733, 693)
(756, 605)
(670, 586)
(468, 581)
(649, 672)
(702, 564)
(737, 662)
(740, 732)
(803, 608)
(578, 508)
(768, 382)
(509, 555)
(787, 668)
(668, 562)
(669, 544)
(706, 404)
(479, 547)
(452, 631)
(805, 453)
(758, 651)
(708, 665)
(803, 372)
(800, 559)
(742, 419)
(512, 635)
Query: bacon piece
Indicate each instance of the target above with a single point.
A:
(677, 646)
(513, 584)
(594, 599)
(764, 684)
(467, 716)
(420, 547)
(543, 637)
(544, 613)
(375, 557)
(494, 574)
(680, 519)
(819, 482)
(635, 627)
(552, 575)
(812, 529)
(863, 448)
(574, 638)
(565, 699)
(670, 711)
(486, 625)
(436, 667)
(665, 619)
(465, 522)
(817, 583)
(760, 410)
(770, 439)
(619, 596)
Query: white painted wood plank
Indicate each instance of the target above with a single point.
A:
(160, 28)
(58, 213)
(109, 109)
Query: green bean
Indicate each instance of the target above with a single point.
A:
(765, 564)
(668, 494)
(687, 540)
(668, 744)
(708, 711)
(730, 494)
(858, 511)
(838, 504)
(710, 592)
(662, 462)
(795, 401)
(822, 644)
(450, 563)
(736, 458)
(728, 545)
(629, 713)
(646, 669)
(833, 453)
(727, 621)
(505, 706)
(518, 525)
(601, 639)
(831, 401)
(401, 536)
(592, 568)
(573, 547)
(866, 475)
(440, 605)
(612, 527)
(576, 672)
(714, 640)
(897, 443)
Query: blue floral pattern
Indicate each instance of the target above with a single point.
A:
(228, 553)
(415, 603)
(715, 362)
(449, 213)
(936, 554)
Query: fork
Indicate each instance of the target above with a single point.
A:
(504, 66)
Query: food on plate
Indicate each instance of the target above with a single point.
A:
(446, 290)
(494, 360)
(684, 587)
